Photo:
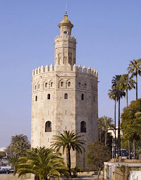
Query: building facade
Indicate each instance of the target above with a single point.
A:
(64, 97)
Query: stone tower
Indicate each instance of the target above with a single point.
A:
(64, 97)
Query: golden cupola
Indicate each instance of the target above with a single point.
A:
(65, 21)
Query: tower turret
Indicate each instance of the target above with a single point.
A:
(65, 26)
(65, 46)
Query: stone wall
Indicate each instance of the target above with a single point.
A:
(64, 113)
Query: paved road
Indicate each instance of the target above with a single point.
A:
(11, 177)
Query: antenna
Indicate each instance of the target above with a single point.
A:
(66, 9)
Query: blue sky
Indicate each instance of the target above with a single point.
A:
(108, 36)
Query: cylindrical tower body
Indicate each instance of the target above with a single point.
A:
(64, 97)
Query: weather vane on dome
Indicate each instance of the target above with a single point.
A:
(66, 9)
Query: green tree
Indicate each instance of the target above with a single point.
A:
(131, 122)
(42, 162)
(135, 69)
(68, 140)
(98, 154)
(19, 144)
(105, 123)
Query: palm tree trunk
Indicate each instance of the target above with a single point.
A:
(68, 159)
(126, 97)
(134, 146)
(136, 86)
(119, 127)
(105, 137)
(129, 150)
(100, 134)
(115, 129)
(98, 174)
(115, 113)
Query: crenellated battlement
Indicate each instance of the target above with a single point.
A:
(75, 68)
(85, 70)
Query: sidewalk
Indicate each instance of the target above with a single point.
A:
(86, 176)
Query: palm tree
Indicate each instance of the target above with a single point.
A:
(125, 83)
(68, 140)
(119, 94)
(43, 163)
(135, 69)
(113, 95)
(139, 61)
(114, 81)
(106, 124)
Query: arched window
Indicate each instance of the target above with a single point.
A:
(83, 126)
(79, 84)
(69, 84)
(48, 126)
(46, 85)
(65, 96)
(38, 86)
(61, 84)
(51, 84)
(35, 98)
(48, 96)
(85, 85)
(35, 87)
(82, 96)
